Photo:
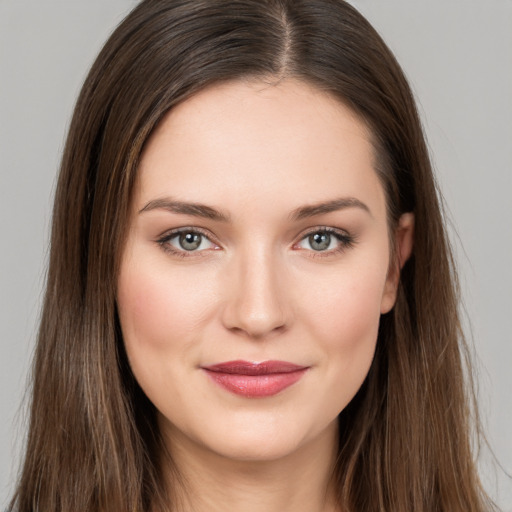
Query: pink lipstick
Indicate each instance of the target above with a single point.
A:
(255, 380)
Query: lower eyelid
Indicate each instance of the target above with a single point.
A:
(344, 244)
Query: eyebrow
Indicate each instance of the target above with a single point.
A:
(208, 212)
(194, 209)
(328, 207)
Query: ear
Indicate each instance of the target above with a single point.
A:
(403, 237)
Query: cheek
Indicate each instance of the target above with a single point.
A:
(161, 313)
(343, 316)
(346, 303)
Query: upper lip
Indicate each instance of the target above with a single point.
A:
(252, 368)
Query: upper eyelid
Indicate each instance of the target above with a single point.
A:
(327, 229)
(188, 229)
(314, 229)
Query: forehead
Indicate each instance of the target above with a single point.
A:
(252, 141)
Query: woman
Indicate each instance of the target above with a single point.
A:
(251, 302)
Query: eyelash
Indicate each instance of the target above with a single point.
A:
(164, 240)
(346, 241)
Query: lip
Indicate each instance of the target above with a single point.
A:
(255, 380)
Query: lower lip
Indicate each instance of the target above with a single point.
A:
(256, 386)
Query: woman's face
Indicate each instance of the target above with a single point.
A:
(256, 268)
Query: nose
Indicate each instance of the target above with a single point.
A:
(256, 304)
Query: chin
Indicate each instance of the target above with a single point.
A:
(257, 448)
(257, 437)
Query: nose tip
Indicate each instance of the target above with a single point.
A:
(256, 305)
(256, 329)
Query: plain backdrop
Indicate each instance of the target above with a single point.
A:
(458, 57)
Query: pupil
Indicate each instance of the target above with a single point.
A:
(320, 241)
(190, 241)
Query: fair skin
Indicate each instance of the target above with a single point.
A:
(287, 258)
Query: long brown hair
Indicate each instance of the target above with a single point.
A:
(405, 439)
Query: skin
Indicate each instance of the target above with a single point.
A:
(256, 288)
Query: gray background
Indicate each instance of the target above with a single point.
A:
(457, 55)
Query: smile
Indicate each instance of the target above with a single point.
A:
(255, 380)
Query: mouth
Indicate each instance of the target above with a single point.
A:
(255, 380)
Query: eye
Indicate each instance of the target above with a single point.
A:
(188, 241)
(326, 240)
(320, 241)
(185, 241)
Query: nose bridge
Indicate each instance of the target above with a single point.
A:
(256, 305)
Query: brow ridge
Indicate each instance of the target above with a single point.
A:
(205, 211)
(185, 208)
(328, 207)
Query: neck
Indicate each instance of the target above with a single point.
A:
(298, 482)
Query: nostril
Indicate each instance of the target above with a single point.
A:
(242, 317)
(256, 327)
